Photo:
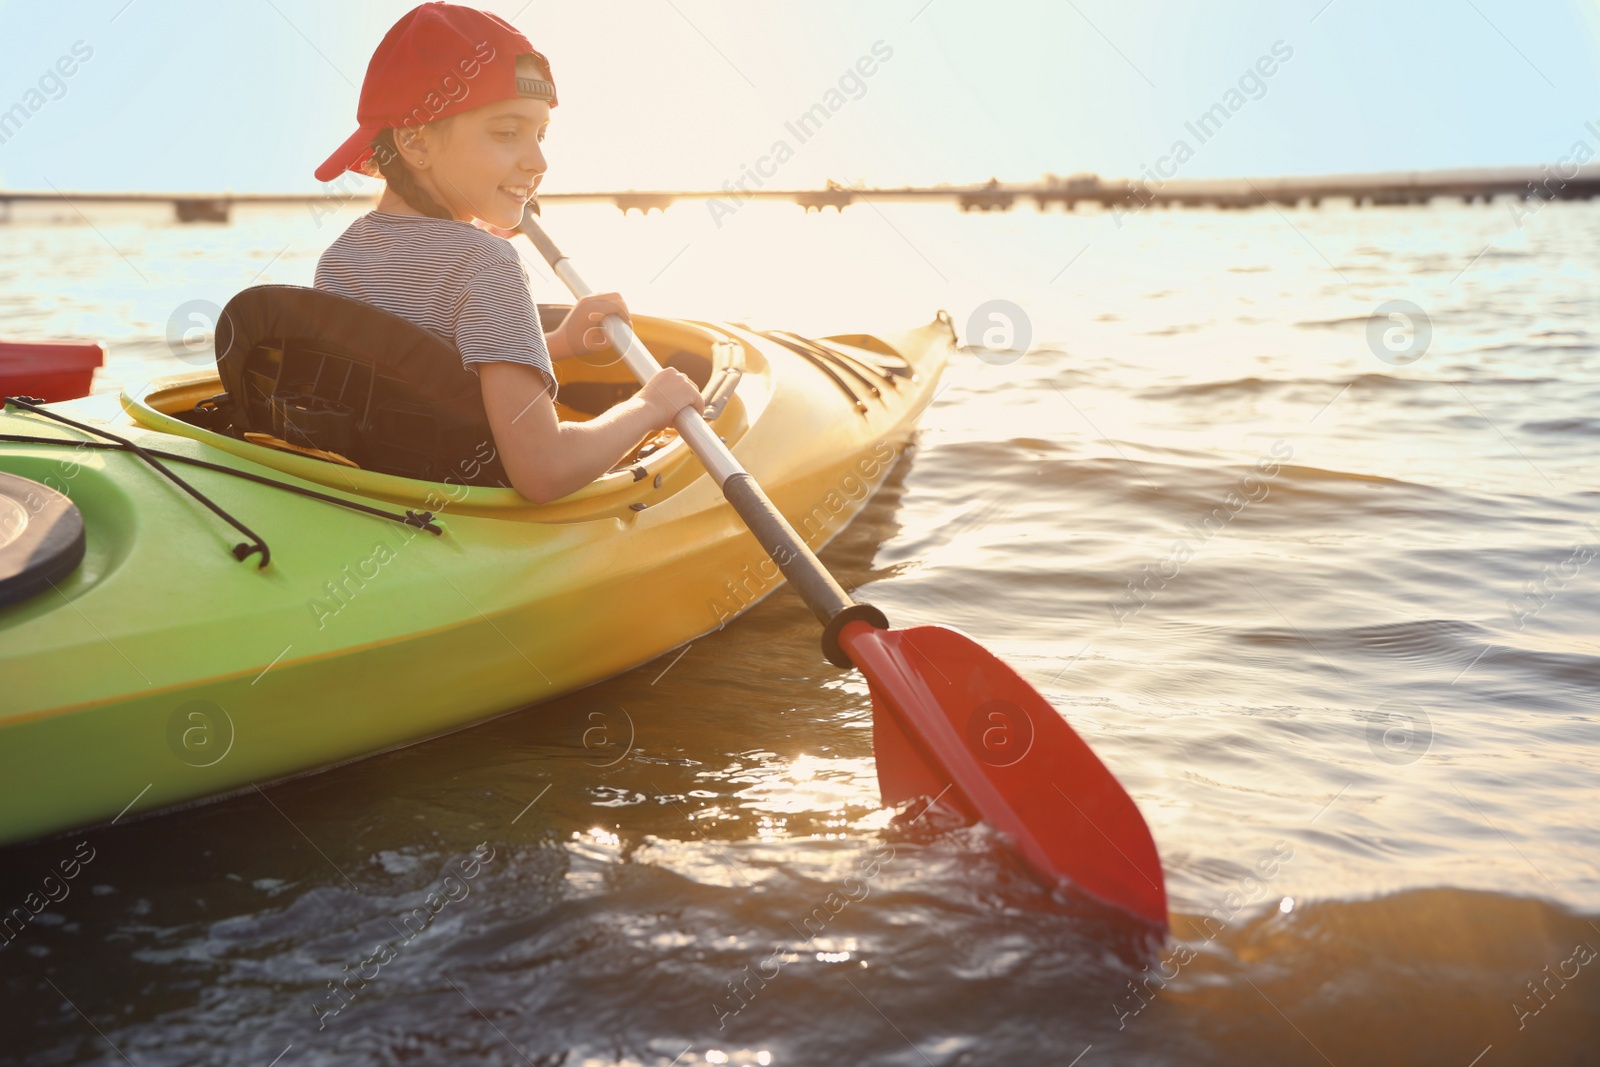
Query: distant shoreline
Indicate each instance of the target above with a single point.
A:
(1120, 194)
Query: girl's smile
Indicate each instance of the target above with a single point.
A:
(480, 164)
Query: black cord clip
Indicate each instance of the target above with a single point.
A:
(423, 520)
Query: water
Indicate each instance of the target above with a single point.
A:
(1365, 744)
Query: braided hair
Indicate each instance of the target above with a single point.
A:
(392, 168)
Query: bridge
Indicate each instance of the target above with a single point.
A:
(1123, 195)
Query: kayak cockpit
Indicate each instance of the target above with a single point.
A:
(184, 405)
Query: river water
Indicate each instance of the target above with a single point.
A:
(1320, 592)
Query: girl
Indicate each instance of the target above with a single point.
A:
(452, 113)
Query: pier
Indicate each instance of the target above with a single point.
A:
(1124, 195)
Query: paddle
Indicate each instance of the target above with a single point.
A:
(948, 716)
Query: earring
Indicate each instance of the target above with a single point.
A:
(415, 144)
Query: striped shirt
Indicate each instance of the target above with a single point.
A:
(454, 280)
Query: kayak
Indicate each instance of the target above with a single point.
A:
(174, 663)
(51, 370)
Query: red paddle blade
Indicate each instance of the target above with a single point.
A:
(948, 713)
(903, 771)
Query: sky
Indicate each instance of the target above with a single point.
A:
(250, 95)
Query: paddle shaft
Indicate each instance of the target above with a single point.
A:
(826, 599)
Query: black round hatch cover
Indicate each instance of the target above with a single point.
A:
(41, 538)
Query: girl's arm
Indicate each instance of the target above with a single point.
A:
(545, 458)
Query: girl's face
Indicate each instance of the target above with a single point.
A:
(485, 163)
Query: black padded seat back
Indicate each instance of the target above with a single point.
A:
(326, 371)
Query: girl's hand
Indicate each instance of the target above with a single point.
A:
(581, 332)
(668, 392)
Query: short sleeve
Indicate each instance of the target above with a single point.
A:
(497, 321)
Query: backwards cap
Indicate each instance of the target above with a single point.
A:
(438, 60)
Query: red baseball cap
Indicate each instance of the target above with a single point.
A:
(438, 60)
